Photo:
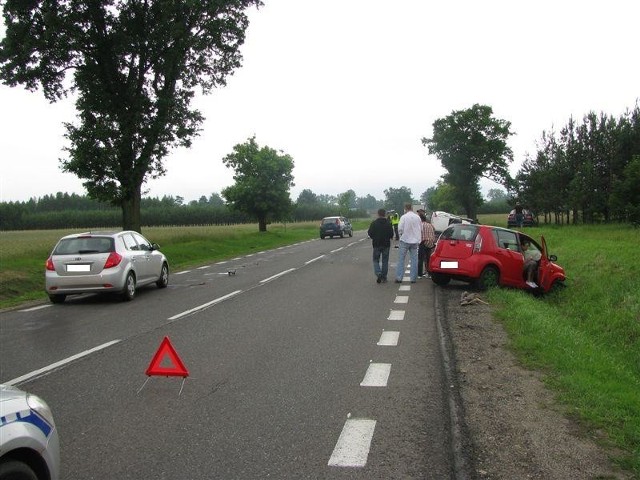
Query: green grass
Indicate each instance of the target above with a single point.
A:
(586, 338)
(23, 254)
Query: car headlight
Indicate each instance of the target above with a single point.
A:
(40, 406)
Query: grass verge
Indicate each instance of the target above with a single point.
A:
(586, 338)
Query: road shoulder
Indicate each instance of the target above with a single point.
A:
(515, 427)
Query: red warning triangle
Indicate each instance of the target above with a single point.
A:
(176, 370)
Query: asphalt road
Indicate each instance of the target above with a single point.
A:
(300, 366)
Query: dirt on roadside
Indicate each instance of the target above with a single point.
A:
(515, 427)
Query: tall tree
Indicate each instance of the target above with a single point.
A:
(135, 65)
(626, 194)
(215, 200)
(327, 199)
(347, 201)
(471, 144)
(307, 197)
(263, 178)
(368, 203)
(497, 195)
(443, 197)
(395, 198)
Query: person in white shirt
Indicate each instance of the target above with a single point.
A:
(410, 231)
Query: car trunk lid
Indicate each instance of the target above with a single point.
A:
(458, 242)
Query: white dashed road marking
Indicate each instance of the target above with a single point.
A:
(377, 375)
(389, 339)
(396, 315)
(313, 260)
(53, 366)
(352, 449)
(39, 307)
(204, 305)
(277, 275)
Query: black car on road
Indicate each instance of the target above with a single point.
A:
(335, 227)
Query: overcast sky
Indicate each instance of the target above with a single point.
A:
(349, 87)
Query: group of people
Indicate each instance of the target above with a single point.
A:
(415, 236)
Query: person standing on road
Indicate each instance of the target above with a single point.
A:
(395, 219)
(381, 232)
(426, 245)
(410, 231)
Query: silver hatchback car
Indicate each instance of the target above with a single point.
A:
(97, 262)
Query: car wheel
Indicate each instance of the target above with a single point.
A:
(440, 279)
(490, 277)
(129, 291)
(321, 237)
(57, 298)
(163, 281)
(16, 470)
(342, 234)
(557, 286)
(351, 233)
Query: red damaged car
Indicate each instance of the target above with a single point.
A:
(488, 256)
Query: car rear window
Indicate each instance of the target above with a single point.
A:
(462, 232)
(84, 245)
(329, 220)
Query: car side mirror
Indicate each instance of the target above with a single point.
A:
(553, 258)
(155, 246)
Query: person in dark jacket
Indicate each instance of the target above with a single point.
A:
(381, 232)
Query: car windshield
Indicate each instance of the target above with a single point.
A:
(84, 245)
(460, 232)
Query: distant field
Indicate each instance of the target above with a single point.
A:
(497, 219)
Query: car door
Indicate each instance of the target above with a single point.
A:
(509, 254)
(544, 268)
(137, 257)
(152, 262)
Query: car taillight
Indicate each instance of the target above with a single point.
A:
(113, 260)
(477, 245)
(49, 265)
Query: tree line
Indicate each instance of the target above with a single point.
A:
(72, 211)
(587, 172)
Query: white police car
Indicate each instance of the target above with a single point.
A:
(29, 444)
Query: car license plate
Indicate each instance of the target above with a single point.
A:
(78, 268)
(448, 264)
